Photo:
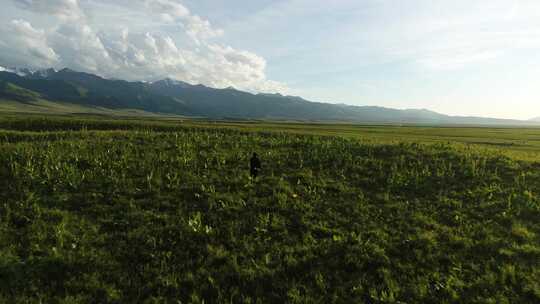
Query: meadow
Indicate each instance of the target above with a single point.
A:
(101, 210)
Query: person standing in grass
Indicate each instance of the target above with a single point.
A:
(255, 165)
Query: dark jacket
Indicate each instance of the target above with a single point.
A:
(255, 165)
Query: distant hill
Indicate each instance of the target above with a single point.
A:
(170, 96)
(90, 90)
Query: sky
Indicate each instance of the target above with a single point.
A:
(459, 57)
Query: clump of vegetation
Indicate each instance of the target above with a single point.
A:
(136, 212)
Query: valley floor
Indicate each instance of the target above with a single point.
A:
(161, 210)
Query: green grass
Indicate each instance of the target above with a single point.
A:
(164, 211)
(13, 89)
(36, 105)
(523, 143)
(514, 142)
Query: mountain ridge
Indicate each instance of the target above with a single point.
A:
(170, 96)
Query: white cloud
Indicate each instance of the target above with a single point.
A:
(80, 48)
(171, 8)
(425, 34)
(199, 29)
(188, 53)
(150, 56)
(22, 44)
(66, 9)
(171, 11)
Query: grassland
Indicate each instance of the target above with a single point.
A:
(164, 211)
(516, 142)
(43, 107)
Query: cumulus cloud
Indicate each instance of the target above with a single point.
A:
(22, 44)
(199, 29)
(170, 8)
(79, 47)
(189, 52)
(172, 11)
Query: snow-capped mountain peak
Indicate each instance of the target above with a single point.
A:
(13, 70)
(44, 73)
(27, 72)
(169, 82)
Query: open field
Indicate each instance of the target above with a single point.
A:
(158, 211)
(522, 143)
(516, 142)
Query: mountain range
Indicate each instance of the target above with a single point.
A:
(87, 92)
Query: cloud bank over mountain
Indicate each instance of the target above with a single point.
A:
(134, 40)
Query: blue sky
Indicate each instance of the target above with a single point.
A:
(456, 57)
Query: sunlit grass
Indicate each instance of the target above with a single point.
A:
(101, 210)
